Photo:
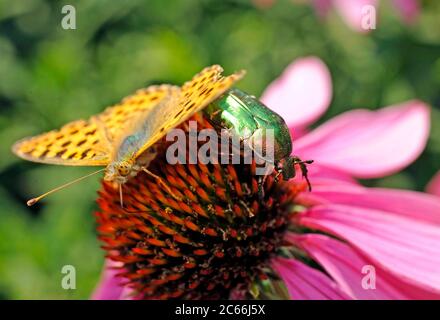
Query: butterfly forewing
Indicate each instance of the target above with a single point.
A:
(121, 120)
(146, 116)
(195, 94)
(134, 140)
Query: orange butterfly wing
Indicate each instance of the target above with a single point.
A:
(77, 143)
(195, 95)
(91, 142)
(95, 141)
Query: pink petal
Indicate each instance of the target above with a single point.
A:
(414, 205)
(346, 266)
(110, 287)
(369, 144)
(302, 93)
(407, 247)
(434, 186)
(408, 9)
(306, 283)
(352, 12)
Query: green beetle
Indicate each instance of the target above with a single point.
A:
(248, 118)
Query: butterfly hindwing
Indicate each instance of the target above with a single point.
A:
(78, 143)
(92, 142)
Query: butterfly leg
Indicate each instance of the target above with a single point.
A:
(160, 180)
(121, 199)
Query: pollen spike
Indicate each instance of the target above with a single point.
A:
(33, 201)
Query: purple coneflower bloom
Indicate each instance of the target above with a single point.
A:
(340, 241)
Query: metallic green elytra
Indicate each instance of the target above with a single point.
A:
(247, 117)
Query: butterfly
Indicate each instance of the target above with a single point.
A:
(122, 137)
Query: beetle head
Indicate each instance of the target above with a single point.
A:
(287, 167)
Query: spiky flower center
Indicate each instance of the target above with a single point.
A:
(214, 233)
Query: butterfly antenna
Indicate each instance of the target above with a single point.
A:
(121, 199)
(160, 181)
(35, 200)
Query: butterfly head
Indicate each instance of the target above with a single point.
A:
(121, 171)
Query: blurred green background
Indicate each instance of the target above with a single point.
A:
(49, 76)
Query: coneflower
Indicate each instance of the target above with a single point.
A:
(217, 237)
(211, 232)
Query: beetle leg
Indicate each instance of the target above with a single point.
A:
(279, 172)
(303, 166)
(249, 211)
(261, 181)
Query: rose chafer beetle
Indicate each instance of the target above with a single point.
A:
(245, 116)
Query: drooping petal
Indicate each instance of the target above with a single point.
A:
(414, 205)
(353, 11)
(110, 287)
(301, 94)
(357, 274)
(407, 247)
(434, 185)
(408, 9)
(305, 283)
(369, 144)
